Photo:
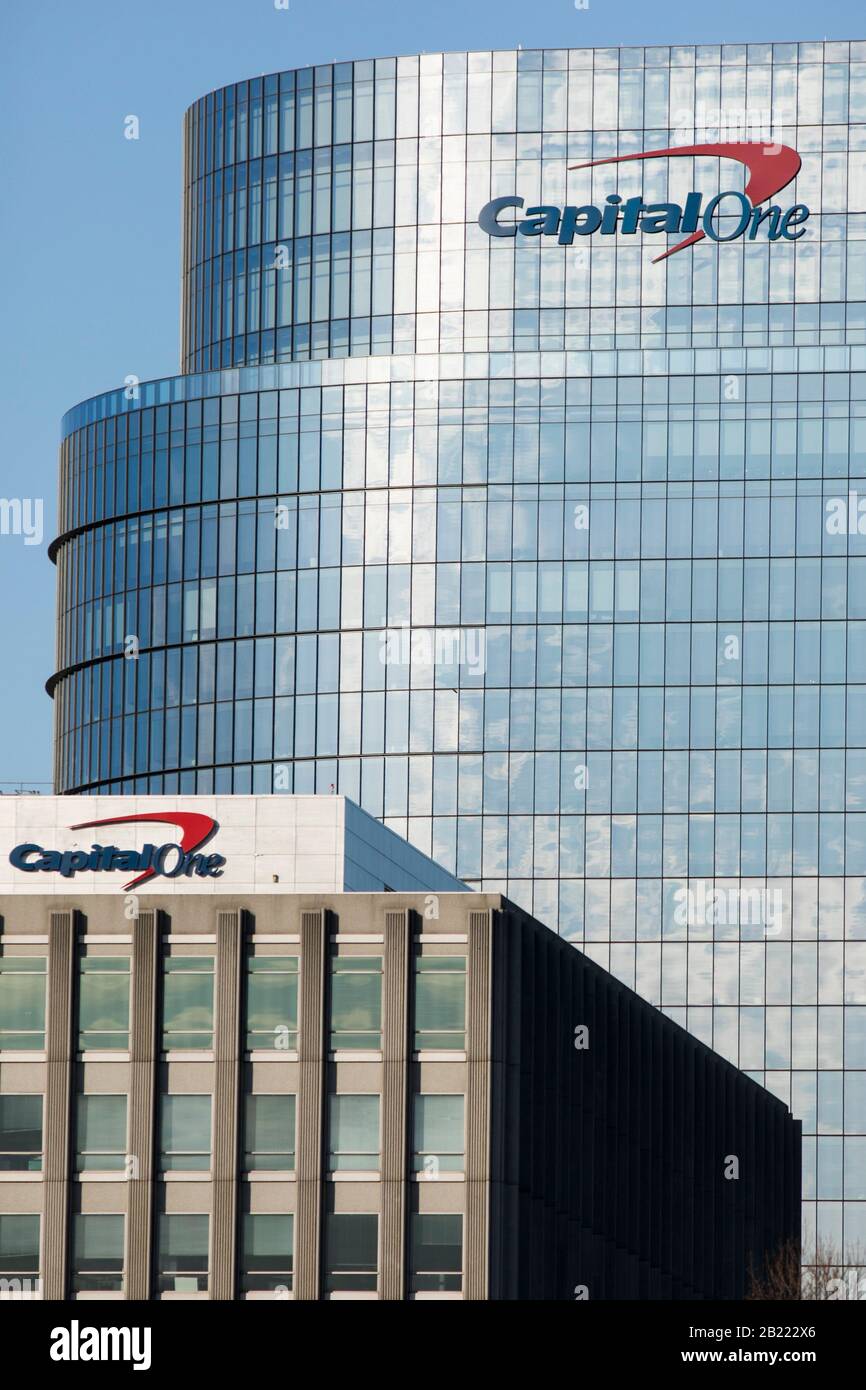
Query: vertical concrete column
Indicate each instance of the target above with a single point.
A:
(58, 1050)
(395, 1054)
(311, 1068)
(476, 1225)
(143, 1070)
(229, 952)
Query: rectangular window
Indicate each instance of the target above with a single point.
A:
(187, 1003)
(185, 1134)
(266, 1252)
(22, 1003)
(97, 1254)
(272, 1003)
(100, 1134)
(103, 1003)
(356, 1003)
(20, 1134)
(353, 1133)
(182, 1253)
(19, 1247)
(438, 1129)
(269, 1134)
(435, 1253)
(351, 1252)
(440, 1003)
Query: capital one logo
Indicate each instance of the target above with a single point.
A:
(770, 169)
(172, 860)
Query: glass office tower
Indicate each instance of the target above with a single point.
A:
(550, 556)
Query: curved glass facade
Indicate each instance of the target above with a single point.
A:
(333, 210)
(553, 562)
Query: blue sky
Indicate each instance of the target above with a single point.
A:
(90, 232)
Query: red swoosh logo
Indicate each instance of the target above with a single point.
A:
(196, 830)
(771, 168)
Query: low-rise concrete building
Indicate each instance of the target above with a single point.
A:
(361, 1095)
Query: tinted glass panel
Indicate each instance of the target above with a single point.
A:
(20, 1134)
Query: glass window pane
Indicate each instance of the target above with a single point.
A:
(266, 1252)
(269, 1133)
(182, 1253)
(436, 1252)
(22, 1003)
(438, 1134)
(272, 1002)
(20, 1134)
(185, 1133)
(103, 1003)
(351, 1252)
(100, 1131)
(19, 1246)
(187, 1005)
(440, 1003)
(356, 1002)
(97, 1253)
(354, 1133)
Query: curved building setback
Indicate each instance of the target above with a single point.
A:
(333, 210)
(544, 544)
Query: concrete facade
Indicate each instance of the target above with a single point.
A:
(596, 1134)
